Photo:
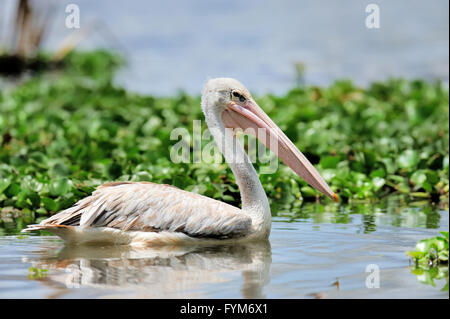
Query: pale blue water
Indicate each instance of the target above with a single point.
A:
(308, 252)
(173, 45)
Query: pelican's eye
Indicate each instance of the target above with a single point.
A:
(239, 96)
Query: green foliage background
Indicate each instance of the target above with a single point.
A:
(63, 133)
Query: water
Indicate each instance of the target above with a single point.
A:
(173, 45)
(318, 252)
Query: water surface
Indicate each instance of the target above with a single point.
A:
(317, 252)
(171, 45)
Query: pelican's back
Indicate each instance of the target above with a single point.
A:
(145, 207)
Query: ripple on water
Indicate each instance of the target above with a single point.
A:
(309, 255)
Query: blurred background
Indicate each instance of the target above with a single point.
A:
(172, 45)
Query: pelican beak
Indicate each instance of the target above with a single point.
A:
(253, 120)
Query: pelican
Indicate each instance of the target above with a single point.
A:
(145, 213)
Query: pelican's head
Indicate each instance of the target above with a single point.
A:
(229, 98)
(220, 92)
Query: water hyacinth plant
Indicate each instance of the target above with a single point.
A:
(63, 133)
(431, 251)
(431, 259)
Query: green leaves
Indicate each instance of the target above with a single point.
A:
(12, 190)
(418, 178)
(4, 184)
(378, 182)
(329, 161)
(50, 204)
(408, 159)
(59, 187)
(62, 135)
(431, 250)
(431, 259)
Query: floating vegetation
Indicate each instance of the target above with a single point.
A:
(431, 252)
(64, 133)
(37, 273)
(431, 260)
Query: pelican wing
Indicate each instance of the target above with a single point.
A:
(144, 206)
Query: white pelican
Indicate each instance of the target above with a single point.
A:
(144, 213)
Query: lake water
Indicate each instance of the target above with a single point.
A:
(171, 45)
(317, 252)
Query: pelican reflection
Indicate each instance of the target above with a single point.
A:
(158, 272)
